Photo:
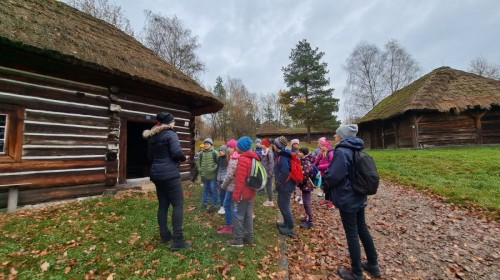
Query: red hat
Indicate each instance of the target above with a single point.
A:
(265, 142)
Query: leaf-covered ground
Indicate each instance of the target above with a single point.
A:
(417, 235)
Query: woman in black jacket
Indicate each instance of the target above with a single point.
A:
(165, 153)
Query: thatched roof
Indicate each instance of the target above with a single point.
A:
(444, 89)
(54, 29)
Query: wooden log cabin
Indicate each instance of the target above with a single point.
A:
(446, 107)
(75, 95)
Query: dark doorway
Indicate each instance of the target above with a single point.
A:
(137, 150)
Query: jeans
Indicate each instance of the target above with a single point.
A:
(355, 225)
(169, 192)
(284, 206)
(269, 187)
(222, 196)
(209, 191)
(243, 221)
(228, 205)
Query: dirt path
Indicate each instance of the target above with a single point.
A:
(417, 237)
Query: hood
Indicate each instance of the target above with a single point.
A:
(235, 155)
(251, 154)
(355, 143)
(155, 130)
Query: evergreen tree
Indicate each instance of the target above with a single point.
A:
(308, 100)
(221, 116)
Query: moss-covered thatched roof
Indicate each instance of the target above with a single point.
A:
(444, 89)
(54, 29)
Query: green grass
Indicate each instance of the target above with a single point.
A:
(118, 236)
(464, 175)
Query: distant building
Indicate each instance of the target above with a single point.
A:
(445, 107)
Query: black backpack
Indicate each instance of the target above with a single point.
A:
(364, 178)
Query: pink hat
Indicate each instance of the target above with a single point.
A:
(326, 143)
(231, 143)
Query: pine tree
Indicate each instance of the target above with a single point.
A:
(308, 100)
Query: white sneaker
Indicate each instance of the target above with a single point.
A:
(298, 198)
(221, 211)
(321, 193)
(301, 202)
(268, 203)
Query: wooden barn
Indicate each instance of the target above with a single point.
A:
(75, 95)
(269, 130)
(443, 108)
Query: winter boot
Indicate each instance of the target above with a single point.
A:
(346, 274)
(179, 244)
(374, 270)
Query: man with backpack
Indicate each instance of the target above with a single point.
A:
(351, 204)
(284, 185)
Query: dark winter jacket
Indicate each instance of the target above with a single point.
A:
(222, 163)
(342, 194)
(164, 152)
(282, 171)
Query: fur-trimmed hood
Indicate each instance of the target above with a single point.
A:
(155, 130)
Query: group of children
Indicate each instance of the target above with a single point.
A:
(223, 175)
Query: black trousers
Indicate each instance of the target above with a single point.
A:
(355, 229)
(169, 193)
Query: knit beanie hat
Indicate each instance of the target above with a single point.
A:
(304, 150)
(165, 117)
(223, 148)
(346, 131)
(281, 142)
(321, 139)
(326, 143)
(231, 143)
(208, 140)
(295, 141)
(265, 142)
(244, 143)
(257, 140)
(202, 145)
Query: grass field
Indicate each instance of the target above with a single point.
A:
(465, 175)
(117, 238)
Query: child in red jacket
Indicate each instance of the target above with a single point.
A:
(243, 195)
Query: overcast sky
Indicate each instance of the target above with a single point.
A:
(252, 40)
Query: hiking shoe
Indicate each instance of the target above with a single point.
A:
(281, 225)
(248, 242)
(268, 203)
(320, 193)
(178, 245)
(287, 232)
(306, 224)
(226, 229)
(330, 205)
(222, 211)
(374, 270)
(346, 274)
(212, 209)
(235, 243)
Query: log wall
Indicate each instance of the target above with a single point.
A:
(414, 130)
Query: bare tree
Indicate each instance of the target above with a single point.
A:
(102, 9)
(168, 38)
(482, 67)
(400, 69)
(373, 75)
(241, 108)
(365, 84)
